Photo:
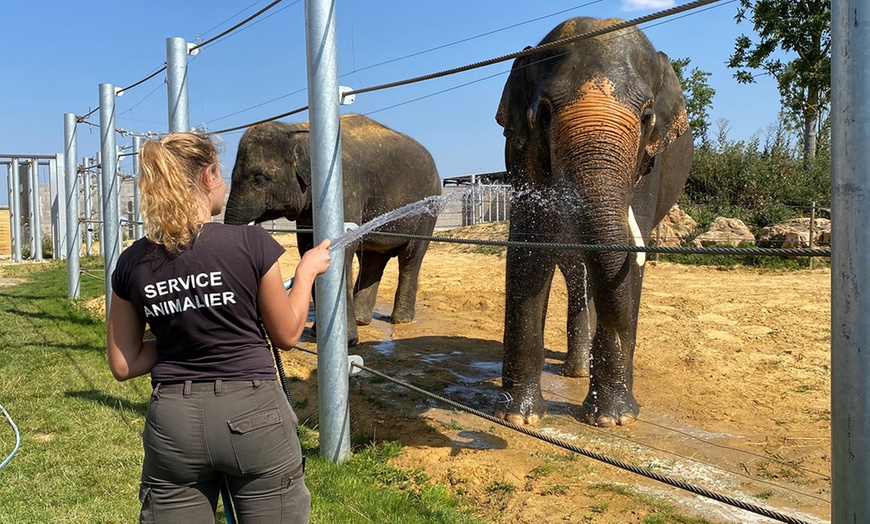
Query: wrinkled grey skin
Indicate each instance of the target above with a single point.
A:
(594, 132)
(382, 171)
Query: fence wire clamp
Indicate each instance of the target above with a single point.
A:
(353, 361)
(345, 95)
(347, 227)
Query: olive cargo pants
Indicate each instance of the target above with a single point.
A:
(197, 433)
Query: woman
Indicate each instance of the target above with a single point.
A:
(217, 410)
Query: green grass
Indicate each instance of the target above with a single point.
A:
(81, 451)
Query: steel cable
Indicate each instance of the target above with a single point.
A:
(233, 28)
(537, 49)
(528, 51)
(760, 251)
(596, 456)
(590, 454)
(555, 394)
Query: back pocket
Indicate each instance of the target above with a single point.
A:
(259, 440)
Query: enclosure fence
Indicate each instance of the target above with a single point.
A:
(485, 203)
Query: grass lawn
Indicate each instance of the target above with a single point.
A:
(81, 450)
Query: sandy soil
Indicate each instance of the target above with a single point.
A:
(732, 371)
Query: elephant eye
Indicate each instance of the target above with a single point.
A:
(647, 117)
(261, 180)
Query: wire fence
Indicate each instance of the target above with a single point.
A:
(492, 204)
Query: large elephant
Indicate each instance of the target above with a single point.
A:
(597, 149)
(382, 171)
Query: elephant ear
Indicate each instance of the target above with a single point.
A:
(670, 109)
(302, 164)
(515, 79)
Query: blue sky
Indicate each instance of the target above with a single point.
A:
(56, 53)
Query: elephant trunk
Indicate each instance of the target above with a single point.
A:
(595, 154)
(239, 208)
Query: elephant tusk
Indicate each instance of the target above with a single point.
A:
(636, 237)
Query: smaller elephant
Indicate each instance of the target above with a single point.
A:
(382, 170)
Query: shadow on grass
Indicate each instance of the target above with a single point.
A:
(110, 401)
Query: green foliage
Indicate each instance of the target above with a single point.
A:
(759, 183)
(801, 30)
(699, 97)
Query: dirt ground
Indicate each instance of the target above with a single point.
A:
(732, 371)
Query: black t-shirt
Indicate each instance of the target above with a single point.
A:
(201, 304)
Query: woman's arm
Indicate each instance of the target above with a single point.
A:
(129, 355)
(284, 314)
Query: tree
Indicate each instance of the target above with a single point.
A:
(801, 27)
(699, 97)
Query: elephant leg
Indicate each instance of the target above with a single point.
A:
(581, 319)
(610, 400)
(410, 261)
(529, 275)
(352, 333)
(371, 269)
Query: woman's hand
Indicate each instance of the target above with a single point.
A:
(315, 261)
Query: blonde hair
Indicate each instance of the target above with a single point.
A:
(171, 180)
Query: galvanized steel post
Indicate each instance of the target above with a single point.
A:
(73, 238)
(15, 210)
(176, 84)
(58, 205)
(86, 195)
(35, 213)
(850, 262)
(137, 198)
(328, 205)
(109, 169)
(99, 185)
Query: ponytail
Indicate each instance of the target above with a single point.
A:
(171, 180)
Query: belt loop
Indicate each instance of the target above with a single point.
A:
(186, 391)
(217, 387)
(257, 383)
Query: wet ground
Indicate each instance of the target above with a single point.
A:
(731, 371)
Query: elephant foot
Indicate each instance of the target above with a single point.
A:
(609, 410)
(576, 364)
(520, 409)
(402, 316)
(363, 322)
(575, 370)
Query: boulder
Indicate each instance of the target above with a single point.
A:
(674, 228)
(795, 234)
(725, 232)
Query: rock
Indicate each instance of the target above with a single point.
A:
(795, 234)
(674, 228)
(725, 232)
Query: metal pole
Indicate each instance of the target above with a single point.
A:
(54, 207)
(15, 210)
(850, 262)
(137, 198)
(328, 205)
(35, 212)
(111, 214)
(99, 185)
(73, 239)
(86, 186)
(176, 84)
(59, 165)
